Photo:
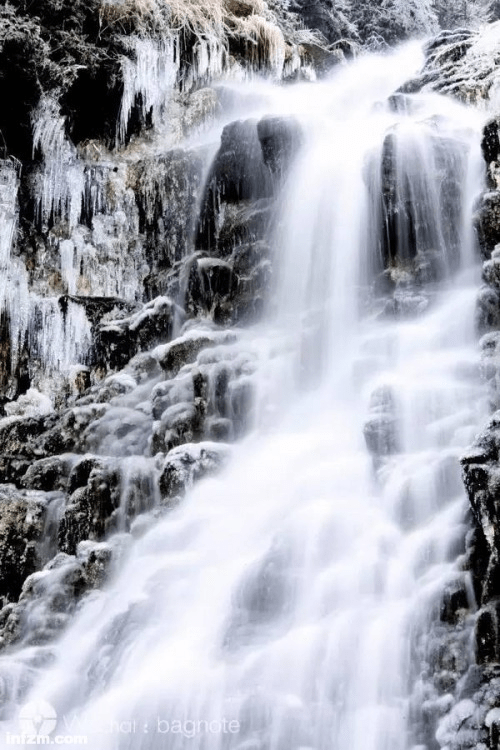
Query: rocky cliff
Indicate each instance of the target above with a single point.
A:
(134, 254)
(134, 248)
(464, 698)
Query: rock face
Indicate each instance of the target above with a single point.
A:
(109, 361)
(467, 716)
(231, 272)
(126, 384)
(133, 257)
(409, 235)
(22, 517)
(481, 478)
(186, 464)
(459, 62)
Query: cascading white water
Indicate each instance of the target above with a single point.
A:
(277, 607)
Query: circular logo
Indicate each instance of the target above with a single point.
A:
(37, 718)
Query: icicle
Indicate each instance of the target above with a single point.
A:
(14, 300)
(61, 180)
(8, 209)
(265, 44)
(69, 267)
(14, 294)
(150, 76)
(60, 339)
(94, 196)
(77, 335)
(209, 62)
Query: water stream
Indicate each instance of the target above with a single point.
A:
(279, 607)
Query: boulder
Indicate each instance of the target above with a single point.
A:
(94, 487)
(490, 143)
(50, 596)
(487, 222)
(118, 340)
(187, 464)
(185, 349)
(238, 173)
(49, 474)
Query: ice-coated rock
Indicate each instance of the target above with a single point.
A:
(187, 464)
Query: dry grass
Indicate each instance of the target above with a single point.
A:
(264, 42)
(200, 16)
(249, 21)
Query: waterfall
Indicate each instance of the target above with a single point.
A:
(289, 602)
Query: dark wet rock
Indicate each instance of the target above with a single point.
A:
(446, 662)
(230, 288)
(448, 48)
(112, 387)
(94, 487)
(487, 221)
(455, 602)
(379, 432)
(49, 474)
(96, 307)
(219, 430)
(482, 481)
(447, 36)
(212, 397)
(242, 398)
(409, 234)
(322, 59)
(22, 523)
(399, 240)
(239, 173)
(280, 139)
(490, 143)
(167, 196)
(187, 464)
(179, 424)
(123, 430)
(143, 367)
(49, 597)
(486, 635)
(242, 223)
(18, 436)
(173, 357)
(26, 440)
(415, 85)
(253, 275)
(209, 290)
(233, 291)
(67, 434)
(118, 340)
